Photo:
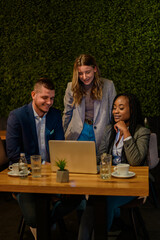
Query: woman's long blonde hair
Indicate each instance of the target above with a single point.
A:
(77, 85)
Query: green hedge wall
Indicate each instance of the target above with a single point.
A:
(43, 37)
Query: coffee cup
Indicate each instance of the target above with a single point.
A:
(14, 168)
(122, 169)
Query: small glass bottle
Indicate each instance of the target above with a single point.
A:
(23, 167)
(146, 123)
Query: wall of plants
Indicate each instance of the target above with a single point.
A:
(43, 38)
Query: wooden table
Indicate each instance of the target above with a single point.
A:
(78, 184)
(3, 134)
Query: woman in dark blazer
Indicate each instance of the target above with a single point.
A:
(127, 127)
(127, 141)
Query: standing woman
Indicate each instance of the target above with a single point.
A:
(88, 102)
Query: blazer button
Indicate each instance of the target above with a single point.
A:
(95, 127)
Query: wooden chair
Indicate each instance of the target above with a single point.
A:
(3, 157)
(134, 212)
(152, 162)
(152, 158)
(133, 206)
(22, 225)
(21, 228)
(4, 164)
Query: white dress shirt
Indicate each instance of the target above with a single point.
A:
(117, 148)
(40, 127)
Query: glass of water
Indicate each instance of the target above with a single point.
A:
(105, 166)
(36, 166)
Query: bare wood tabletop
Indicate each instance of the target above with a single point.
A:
(79, 183)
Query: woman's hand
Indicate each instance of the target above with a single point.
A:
(122, 128)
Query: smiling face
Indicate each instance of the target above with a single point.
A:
(121, 110)
(86, 74)
(43, 99)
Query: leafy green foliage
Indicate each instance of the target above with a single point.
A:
(43, 37)
(61, 164)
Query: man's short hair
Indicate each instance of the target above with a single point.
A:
(45, 82)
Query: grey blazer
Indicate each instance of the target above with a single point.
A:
(134, 150)
(74, 116)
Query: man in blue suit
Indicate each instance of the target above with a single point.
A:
(29, 129)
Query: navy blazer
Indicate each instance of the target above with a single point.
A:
(22, 134)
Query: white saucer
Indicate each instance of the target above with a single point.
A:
(13, 174)
(130, 174)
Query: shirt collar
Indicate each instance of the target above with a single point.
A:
(36, 116)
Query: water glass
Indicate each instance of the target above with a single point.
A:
(36, 166)
(105, 166)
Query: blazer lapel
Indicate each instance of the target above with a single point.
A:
(97, 105)
(48, 130)
(81, 110)
(32, 124)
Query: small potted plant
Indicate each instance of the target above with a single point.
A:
(62, 173)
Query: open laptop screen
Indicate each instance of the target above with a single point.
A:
(79, 155)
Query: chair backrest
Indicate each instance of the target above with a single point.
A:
(3, 157)
(152, 158)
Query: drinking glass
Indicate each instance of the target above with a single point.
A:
(36, 166)
(105, 166)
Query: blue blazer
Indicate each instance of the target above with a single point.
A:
(22, 134)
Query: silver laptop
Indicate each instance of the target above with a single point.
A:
(80, 155)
